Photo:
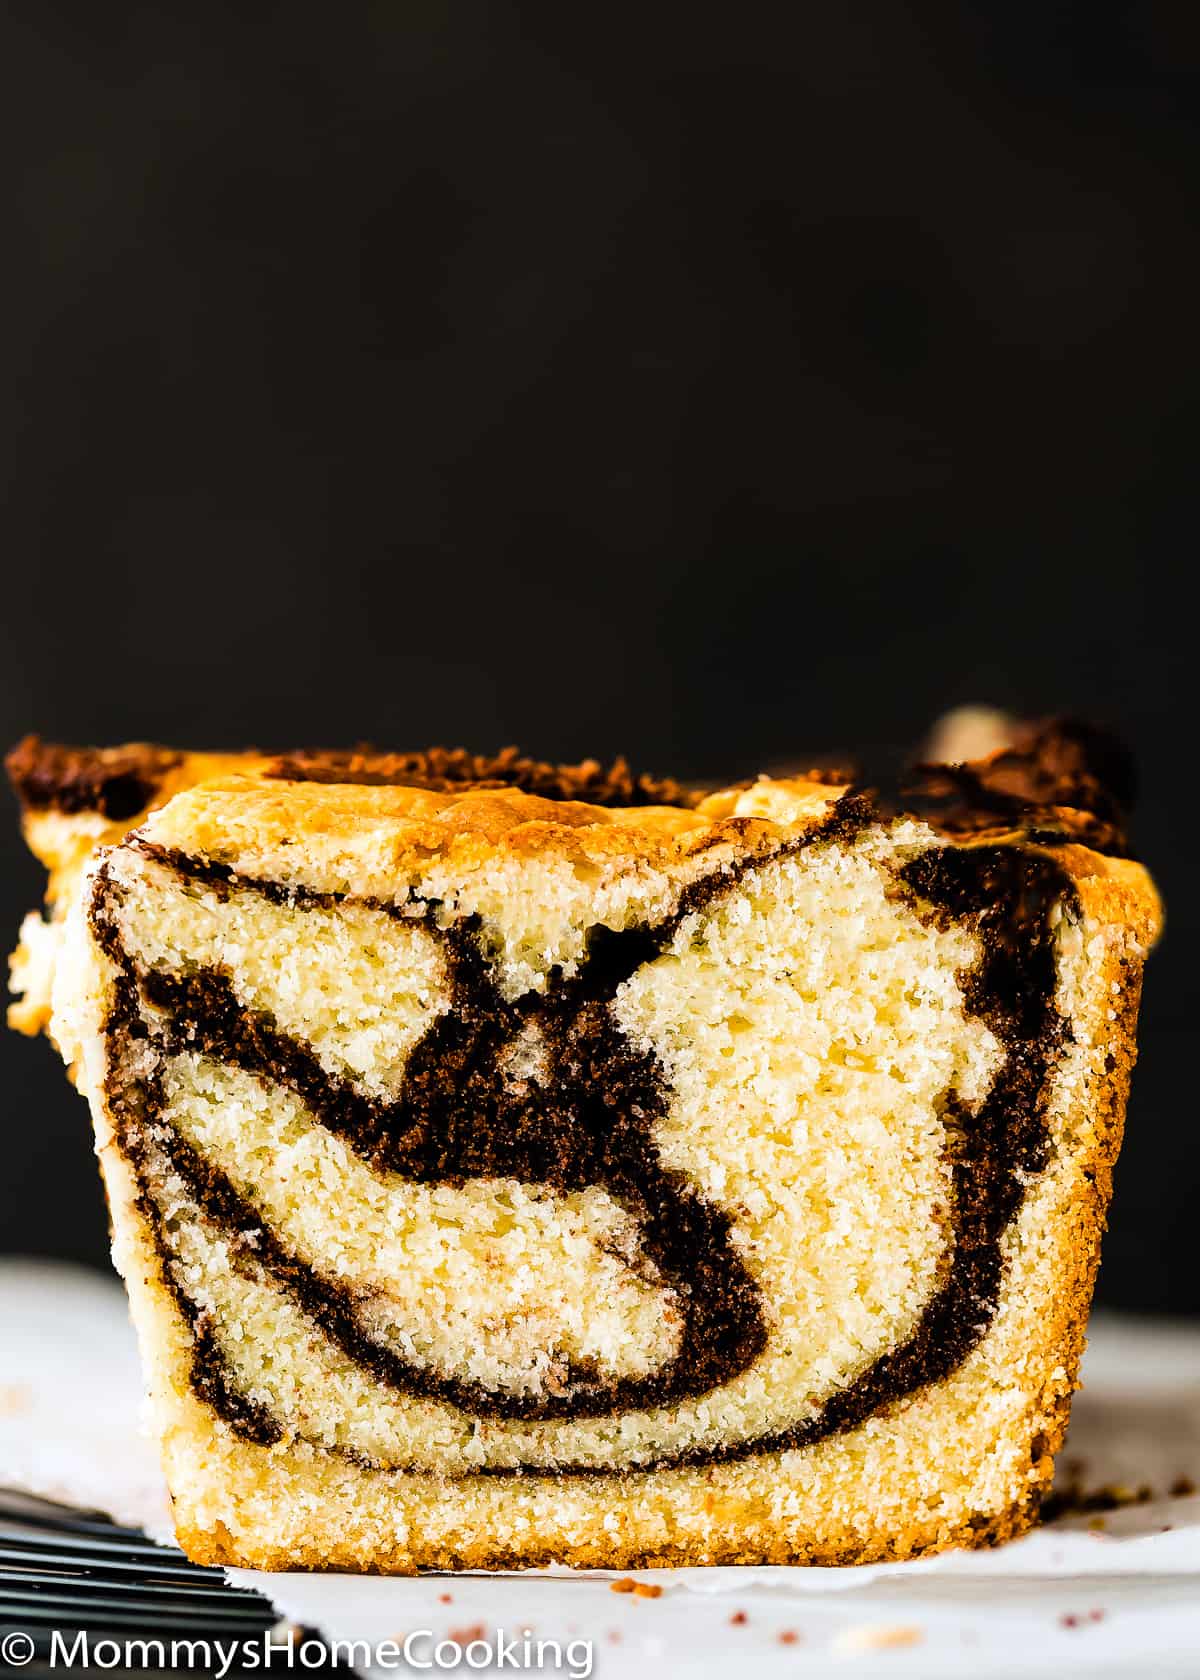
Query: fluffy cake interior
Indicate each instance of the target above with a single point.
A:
(809, 1027)
(497, 1181)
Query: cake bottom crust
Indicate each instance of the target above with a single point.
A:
(217, 1547)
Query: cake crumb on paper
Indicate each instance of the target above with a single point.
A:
(639, 1589)
(1072, 1619)
(878, 1637)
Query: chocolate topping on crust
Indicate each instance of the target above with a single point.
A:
(1067, 761)
(1062, 779)
(118, 782)
(592, 1123)
(454, 770)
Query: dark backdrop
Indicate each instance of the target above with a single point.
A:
(716, 386)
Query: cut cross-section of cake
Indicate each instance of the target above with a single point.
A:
(511, 1164)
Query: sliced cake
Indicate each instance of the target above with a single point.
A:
(511, 1164)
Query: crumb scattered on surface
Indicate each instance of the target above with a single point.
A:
(14, 1398)
(625, 1585)
(1073, 1499)
(789, 1636)
(445, 1598)
(738, 1619)
(465, 1636)
(1182, 1487)
(1072, 1619)
(877, 1637)
(646, 1589)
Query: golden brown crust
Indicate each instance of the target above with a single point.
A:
(217, 1547)
(1129, 899)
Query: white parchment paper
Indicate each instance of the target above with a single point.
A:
(1111, 1594)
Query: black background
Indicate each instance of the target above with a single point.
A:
(715, 385)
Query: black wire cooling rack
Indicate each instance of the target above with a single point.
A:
(78, 1573)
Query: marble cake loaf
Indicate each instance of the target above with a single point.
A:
(510, 1164)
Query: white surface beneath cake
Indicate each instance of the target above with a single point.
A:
(1101, 1594)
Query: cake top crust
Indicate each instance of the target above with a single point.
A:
(120, 782)
(360, 820)
(363, 821)
(1059, 774)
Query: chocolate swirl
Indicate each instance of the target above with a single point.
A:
(459, 1117)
